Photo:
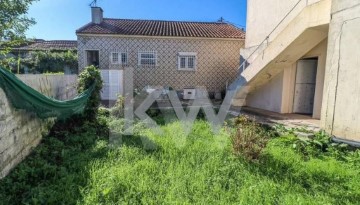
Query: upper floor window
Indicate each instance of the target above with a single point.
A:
(187, 61)
(147, 58)
(119, 58)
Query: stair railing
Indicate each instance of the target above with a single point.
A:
(262, 45)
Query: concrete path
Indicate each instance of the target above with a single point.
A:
(272, 118)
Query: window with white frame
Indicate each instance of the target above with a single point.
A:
(148, 58)
(187, 61)
(119, 58)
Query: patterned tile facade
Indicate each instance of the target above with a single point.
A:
(217, 60)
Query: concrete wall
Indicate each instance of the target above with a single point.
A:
(269, 96)
(301, 35)
(341, 110)
(21, 131)
(217, 60)
(278, 94)
(264, 16)
(275, 21)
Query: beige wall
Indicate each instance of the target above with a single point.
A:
(341, 102)
(217, 60)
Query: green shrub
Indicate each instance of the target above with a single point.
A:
(320, 145)
(87, 78)
(103, 112)
(118, 109)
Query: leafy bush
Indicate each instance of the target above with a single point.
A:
(320, 144)
(250, 138)
(8, 63)
(118, 109)
(89, 76)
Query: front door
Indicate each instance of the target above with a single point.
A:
(305, 86)
(92, 58)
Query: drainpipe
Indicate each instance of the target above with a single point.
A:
(349, 142)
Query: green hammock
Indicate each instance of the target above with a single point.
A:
(24, 97)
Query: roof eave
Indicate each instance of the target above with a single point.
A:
(148, 36)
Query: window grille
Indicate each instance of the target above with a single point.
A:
(187, 61)
(148, 58)
(119, 58)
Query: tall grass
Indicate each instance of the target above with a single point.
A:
(196, 169)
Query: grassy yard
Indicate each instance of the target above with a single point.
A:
(78, 166)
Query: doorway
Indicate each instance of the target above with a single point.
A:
(305, 84)
(92, 58)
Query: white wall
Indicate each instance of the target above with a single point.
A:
(341, 102)
(269, 96)
(264, 15)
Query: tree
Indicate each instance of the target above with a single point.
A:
(13, 23)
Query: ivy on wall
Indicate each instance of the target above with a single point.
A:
(42, 62)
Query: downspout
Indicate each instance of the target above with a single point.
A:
(349, 142)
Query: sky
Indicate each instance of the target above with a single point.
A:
(59, 19)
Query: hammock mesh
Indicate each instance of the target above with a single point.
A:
(24, 97)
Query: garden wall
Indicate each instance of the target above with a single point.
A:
(21, 131)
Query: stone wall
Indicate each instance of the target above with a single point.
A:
(21, 131)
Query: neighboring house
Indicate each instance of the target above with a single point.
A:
(163, 53)
(302, 57)
(44, 45)
(24, 51)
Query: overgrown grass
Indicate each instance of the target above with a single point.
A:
(79, 167)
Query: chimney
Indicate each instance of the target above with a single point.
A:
(96, 15)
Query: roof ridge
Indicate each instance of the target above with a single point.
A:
(175, 21)
(146, 27)
(58, 41)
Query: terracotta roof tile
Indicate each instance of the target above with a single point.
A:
(163, 28)
(49, 45)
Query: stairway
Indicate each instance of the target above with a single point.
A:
(303, 33)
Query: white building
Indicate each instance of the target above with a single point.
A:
(302, 57)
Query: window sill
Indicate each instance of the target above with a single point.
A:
(191, 70)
